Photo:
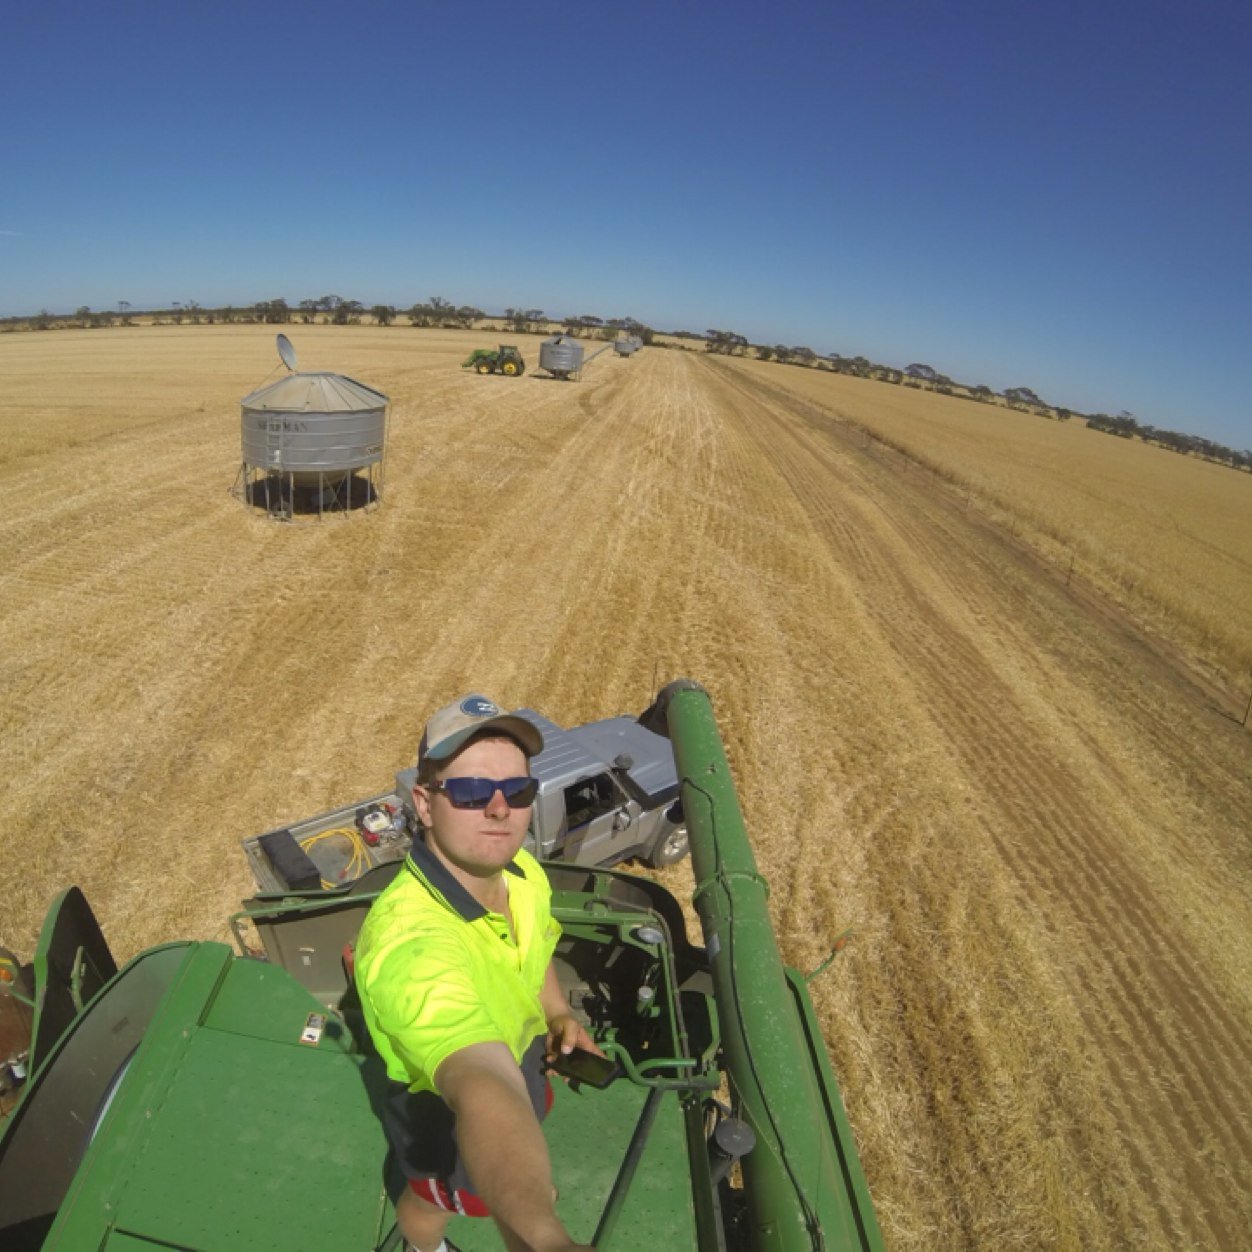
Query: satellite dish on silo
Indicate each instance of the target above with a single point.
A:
(287, 352)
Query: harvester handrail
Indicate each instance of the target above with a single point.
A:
(641, 1075)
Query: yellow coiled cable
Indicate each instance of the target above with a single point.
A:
(360, 861)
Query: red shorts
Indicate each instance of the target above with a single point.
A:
(437, 1192)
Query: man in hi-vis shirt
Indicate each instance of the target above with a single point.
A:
(454, 969)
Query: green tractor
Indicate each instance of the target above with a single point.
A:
(210, 1101)
(505, 359)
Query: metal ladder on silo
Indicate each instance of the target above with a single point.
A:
(273, 464)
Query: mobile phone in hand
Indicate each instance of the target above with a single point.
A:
(587, 1067)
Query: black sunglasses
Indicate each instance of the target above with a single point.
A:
(477, 793)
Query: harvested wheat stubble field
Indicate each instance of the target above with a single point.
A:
(1032, 815)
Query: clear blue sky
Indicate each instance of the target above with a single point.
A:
(1052, 195)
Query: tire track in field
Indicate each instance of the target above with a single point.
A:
(1131, 990)
(620, 522)
(923, 542)
(1001, 750)
(879, 573)
(905, 478)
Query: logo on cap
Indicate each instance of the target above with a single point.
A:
(477, 706)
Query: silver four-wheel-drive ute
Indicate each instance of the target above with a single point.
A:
(608, 791)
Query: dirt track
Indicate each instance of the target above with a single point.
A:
(1033, 817)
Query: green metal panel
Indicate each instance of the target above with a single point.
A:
(72, 962)
(45, 1138)
(797, 1190)
(270, 1004)
(845, 1140)
(228, 1137)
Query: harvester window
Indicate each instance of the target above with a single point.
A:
(590, 798)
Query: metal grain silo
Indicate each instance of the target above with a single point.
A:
(561, 356)
(305, 437)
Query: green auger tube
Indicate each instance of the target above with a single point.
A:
(802, 1181)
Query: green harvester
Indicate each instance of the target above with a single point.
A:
(205, 1098)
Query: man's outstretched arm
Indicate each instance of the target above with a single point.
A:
(502, 1143)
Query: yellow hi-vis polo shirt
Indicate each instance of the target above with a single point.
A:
(437, 972)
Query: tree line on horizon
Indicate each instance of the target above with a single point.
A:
(438, 313)
(1020, 399)
(434, 312)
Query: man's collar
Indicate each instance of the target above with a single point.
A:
(441, 878)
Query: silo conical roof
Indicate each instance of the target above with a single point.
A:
(315, 393)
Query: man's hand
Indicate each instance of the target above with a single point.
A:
(565, 1033)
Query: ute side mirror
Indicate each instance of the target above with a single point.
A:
(621, 819)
